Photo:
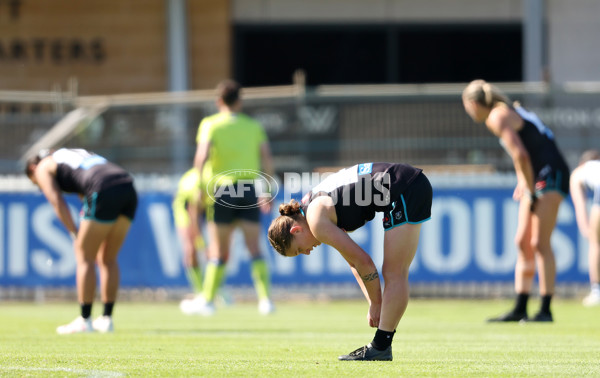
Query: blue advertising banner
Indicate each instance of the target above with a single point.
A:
(469, 238)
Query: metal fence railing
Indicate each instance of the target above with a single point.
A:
(25, 117)
(327, 126)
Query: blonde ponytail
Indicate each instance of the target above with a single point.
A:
(484, 93)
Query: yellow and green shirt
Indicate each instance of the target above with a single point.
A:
(234, 154)
(188, 191)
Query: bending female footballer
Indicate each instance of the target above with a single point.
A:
(187, 213)
(542, 183)
(109, 204)
(344, 202)
(586, 177)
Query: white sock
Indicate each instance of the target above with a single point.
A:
(595, 288)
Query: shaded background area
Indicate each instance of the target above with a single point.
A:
(369, 54)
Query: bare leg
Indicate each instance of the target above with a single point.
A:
(107, 259)
(251, 231)
(543, 223)
(218, 254)
(259, 267)
(90, 237)
(89, 241)
(220, 239)
(190, 258)
(594, 240)
(525, 266)
(400, 246)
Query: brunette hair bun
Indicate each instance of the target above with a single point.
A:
(289, 209)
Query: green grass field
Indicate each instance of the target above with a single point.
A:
(435, 338)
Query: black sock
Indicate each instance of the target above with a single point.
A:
(382, 339)
(108, 308)
(521, 303)
(86, 310)
(545, 307)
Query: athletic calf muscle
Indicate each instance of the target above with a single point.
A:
(370, 277)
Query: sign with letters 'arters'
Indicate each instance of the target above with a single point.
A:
(109, 47)
(43, 44)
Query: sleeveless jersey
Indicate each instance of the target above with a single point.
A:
(360, 191)
(539, 143)
(80, 171)
(590, 176)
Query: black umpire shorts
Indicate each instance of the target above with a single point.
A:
(230, 206)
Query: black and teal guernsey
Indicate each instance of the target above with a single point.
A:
(83, 172)
(550, 169)
(362, 190)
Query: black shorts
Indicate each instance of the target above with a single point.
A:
(413, 206)
(553, 177)
(229, 207)
(108, 204)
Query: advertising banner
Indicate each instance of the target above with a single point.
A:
(470, 238)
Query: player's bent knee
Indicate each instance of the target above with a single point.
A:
(394, 274)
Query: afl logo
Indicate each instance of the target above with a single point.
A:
(230, 187)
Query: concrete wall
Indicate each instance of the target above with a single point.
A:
(573, 26)
(374, 11)
(574, 40)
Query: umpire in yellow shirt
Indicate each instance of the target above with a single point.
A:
(187, 211)
(232, 150)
